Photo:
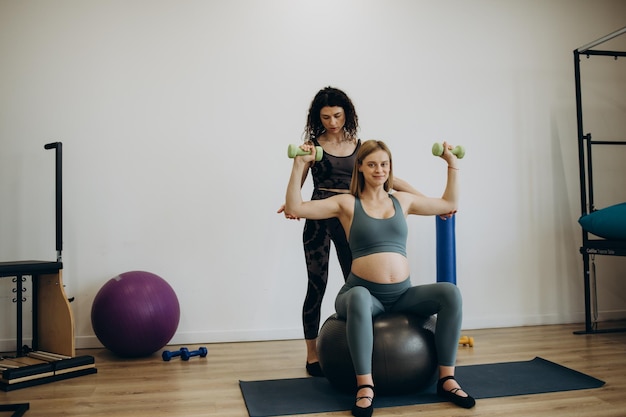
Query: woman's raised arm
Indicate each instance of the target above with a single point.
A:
(315, 209)
(448, 202)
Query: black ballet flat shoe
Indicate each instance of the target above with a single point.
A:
(360, 411)
(465, 402)
(314, 369)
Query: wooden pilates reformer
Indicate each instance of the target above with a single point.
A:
(52, 355)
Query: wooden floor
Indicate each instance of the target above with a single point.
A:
(209, 386)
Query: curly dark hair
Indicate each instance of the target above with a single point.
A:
(331, 97)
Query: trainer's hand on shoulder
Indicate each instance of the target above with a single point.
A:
(287, 215)
(447, 215)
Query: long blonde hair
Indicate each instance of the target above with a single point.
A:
(358, 181)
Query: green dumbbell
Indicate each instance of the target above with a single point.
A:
(459, 151)
(295, 150)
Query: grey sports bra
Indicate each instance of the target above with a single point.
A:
(369, 235)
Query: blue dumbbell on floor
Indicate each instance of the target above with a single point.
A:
(186, 353)
(167, 355)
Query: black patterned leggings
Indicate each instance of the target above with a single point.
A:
(316, 237)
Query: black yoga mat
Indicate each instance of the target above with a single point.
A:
(315, 395)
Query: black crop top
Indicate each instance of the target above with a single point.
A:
(334, 172)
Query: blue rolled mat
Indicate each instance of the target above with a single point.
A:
(446, 250)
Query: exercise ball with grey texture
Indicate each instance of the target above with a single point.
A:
(404, 358)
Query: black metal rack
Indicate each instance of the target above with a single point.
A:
(592, 246)
(18, 270)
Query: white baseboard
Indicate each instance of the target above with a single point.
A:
(500, 321)
(196, 338)
(207, 337)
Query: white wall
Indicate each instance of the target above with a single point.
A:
(175, 117)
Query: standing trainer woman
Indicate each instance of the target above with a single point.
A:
(332, 123)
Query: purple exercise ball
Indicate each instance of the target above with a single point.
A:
(135, 314)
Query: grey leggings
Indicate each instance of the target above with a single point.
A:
(359, 301)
